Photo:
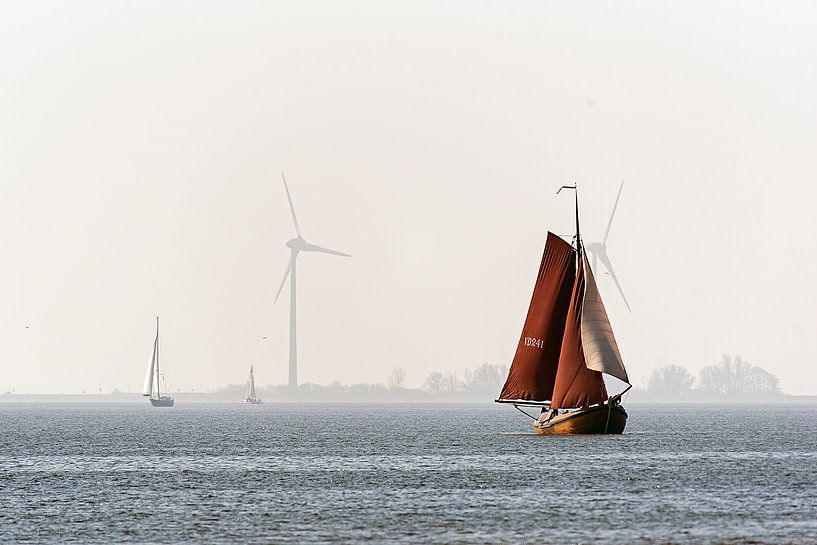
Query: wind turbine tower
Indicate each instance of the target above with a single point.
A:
(296, 246)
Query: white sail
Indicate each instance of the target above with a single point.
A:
(249, 389)
(598, 342)
(147, 389)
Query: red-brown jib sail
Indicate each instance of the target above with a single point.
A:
(533, 370)
(576, 385)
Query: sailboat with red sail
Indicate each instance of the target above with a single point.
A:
(566, 346)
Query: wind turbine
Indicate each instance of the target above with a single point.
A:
(296, 246)
(599, 250)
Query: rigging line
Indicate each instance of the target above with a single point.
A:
(626, 393)
(527, 402)
(609, 408)
(525, 413)
(620, 395)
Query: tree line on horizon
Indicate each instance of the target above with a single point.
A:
(480, 381)
(732, 376)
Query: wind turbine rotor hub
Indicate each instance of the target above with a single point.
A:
(296, 243)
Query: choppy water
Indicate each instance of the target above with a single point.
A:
(126, 473)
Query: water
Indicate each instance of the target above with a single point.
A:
(128, 473)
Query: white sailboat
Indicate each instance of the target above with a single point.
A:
(153, 377)
(249, 391)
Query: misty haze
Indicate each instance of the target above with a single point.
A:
(338, 272)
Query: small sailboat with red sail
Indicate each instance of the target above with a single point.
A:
(566, 347)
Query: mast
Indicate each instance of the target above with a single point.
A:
(579, 252)
(578, 234)
(157, 358)
(589, 347)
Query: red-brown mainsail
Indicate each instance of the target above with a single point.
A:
(533, 370)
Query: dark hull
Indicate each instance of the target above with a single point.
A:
(162, 402)
(250, 401)
(593, 420)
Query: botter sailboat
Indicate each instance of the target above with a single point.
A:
(566, 346)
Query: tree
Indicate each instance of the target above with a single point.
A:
(397, 378)
(736, 376)
(763, 381)
(434, 383)
(670, 380)
(335, 386)
(487, 377)
(452, 382)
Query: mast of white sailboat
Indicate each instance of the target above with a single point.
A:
(158, 395)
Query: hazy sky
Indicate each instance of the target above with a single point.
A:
(141, 145)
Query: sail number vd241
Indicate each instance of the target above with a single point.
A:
(538, 343)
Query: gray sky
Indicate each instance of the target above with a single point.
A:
(141, 144)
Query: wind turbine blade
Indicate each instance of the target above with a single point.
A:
(312, 248)
(283, 281)
(609, 223)
(291, 207)
(594, 258)
(609, 266)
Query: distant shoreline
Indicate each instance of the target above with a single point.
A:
(227, 398)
